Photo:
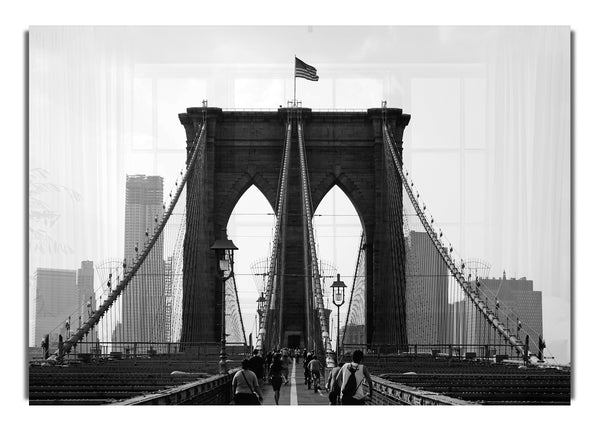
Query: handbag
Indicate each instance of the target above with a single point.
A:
(258, 397)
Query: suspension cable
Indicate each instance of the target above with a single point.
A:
(316, 280)
(267, 315)
(105, 306)
(493, 320)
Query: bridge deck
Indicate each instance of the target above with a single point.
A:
(296, 392)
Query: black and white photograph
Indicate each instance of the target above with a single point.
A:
(293, 215)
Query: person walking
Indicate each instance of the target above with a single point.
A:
(268, 361)
(332, 386)
(245, 386)
(276, 377)
(257, 364)
(350, 379)
(307, 359)
(285, 365)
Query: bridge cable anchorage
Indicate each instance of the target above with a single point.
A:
(492, 320)
(317, 290)
(95, 316)
(265, 335)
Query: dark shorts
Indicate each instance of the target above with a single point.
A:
(316, 374)
(276, 382)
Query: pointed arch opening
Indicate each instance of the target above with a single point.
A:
(250, 227)
(338, 229)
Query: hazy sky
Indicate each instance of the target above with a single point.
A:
(487, 145)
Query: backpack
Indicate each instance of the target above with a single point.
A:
(351, 386)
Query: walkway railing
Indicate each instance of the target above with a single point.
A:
(390, 393)
(215, 390)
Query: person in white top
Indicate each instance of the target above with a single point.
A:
(351, 389)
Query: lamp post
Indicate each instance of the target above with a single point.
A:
(224, 253)
(339, 297)
(260, 311)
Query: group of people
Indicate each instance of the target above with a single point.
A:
(344, 383)
(246, 387)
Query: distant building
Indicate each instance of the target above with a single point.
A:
(143, 303)
(86, 297)
(519, 302)
(56, 298)
(427, 310)
(353, 335)
(85, 288)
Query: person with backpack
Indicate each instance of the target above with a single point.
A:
(351, 378)
(332, 386)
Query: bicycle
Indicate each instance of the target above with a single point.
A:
(315, 379)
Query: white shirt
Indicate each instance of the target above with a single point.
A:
(360, 378)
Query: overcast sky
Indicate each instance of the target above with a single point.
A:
(487, 145)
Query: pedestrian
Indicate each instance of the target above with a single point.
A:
(276, 378)
(45, 349)
(245, 386)
(285, 364)
(332, 385)
(257, 364)
(307, 359)
(314, 367)
(268, 361)
(350, 379)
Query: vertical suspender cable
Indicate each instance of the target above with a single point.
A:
(316, 279)
(462, 283)
(103, 308)
(276, 247)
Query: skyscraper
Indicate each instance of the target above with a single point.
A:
(56, 299)
(85, 292)
(426, 291)
(519, 302)
(143, 303)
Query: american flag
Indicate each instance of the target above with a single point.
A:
(305, 71)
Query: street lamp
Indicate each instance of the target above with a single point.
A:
(339, 297)
(260, 311)
(224, 253)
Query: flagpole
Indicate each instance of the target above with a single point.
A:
(294, 81)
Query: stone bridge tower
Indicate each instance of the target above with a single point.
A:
(342, 148)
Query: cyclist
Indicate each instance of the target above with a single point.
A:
(314, 366)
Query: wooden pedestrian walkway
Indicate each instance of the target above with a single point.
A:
(296, 392)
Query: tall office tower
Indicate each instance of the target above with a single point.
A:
(85, 288)
(56, 300)
(426, 292)
(85, 294)
(143, 304)
(519, 301)
(169, 337)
